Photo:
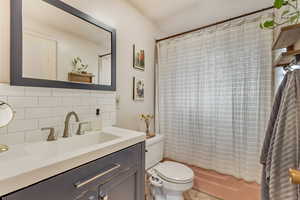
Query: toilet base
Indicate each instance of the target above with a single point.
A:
(163, 197)
(160, 194)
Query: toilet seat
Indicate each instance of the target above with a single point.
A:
(174, 172)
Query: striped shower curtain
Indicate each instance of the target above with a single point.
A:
(214, 97)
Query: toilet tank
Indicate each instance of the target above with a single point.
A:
(154, 150)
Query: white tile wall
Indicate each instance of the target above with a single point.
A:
(45, 107)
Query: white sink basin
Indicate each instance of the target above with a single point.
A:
(68, 145)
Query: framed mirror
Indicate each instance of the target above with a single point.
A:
(58, 46)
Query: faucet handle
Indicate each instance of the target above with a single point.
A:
(51, 136)
(79, 131)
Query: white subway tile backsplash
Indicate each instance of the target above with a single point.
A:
(3, 131)
(51, 122)
(107, 123)
(108, 107)
(70, 92)
(19, 113)
(83, 93)
(49, 101)
(36, 91)
(22, 101)
(110, 96)
(71, 101)
(85, 101)
(35, 136)
(108, 101)
(3, 98)
(22, 125)
(113, 118)
(97, 94)
(45, 107)
(39, 112)
(7, 90)
(12, 139)
(81, 110)
(87, 117)
(62, 111)
(105, 116)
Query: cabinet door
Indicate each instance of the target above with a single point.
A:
(123, 187)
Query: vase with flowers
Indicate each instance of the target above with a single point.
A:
(147, 119)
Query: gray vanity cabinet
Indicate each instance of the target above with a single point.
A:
(119, 176)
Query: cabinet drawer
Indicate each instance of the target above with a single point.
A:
(76, 183)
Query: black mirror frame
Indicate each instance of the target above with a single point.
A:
(16, 59)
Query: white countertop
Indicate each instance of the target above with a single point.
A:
(20, 168)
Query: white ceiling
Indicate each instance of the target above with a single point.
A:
(175, 16)
(162, 9)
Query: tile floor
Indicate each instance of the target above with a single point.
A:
(224, 186)
(196, 195)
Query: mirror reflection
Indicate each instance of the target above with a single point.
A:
(6, 114)
(59, 46)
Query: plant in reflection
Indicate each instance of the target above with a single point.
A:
(79, 66)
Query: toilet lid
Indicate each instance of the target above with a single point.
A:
(174, 172)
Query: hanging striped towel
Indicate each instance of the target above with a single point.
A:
(281, 146)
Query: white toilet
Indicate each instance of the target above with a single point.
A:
(168, 179)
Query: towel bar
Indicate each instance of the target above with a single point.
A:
(294, 176)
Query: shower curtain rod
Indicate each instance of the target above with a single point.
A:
(214, 24)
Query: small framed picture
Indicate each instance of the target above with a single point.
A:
(138, 58)
(138, 89)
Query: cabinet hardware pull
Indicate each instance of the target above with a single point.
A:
(83, 183)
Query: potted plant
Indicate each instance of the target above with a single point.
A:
(290, 14)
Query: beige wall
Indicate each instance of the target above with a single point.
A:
(131, 28)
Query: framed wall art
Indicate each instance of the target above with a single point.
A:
(138, 89)
(138, 58)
